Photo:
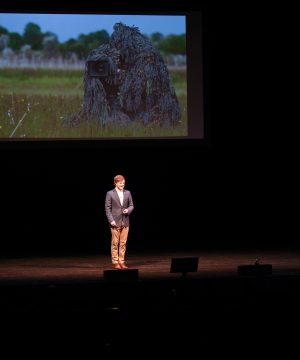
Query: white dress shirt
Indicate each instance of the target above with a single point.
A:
(121, 195)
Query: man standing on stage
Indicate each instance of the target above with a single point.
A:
(118, 207)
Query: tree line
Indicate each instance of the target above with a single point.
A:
(47, 42)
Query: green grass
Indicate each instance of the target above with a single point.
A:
(43, 98)
(41, 81)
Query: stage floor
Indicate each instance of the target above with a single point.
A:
(151, 266)
(162, 311)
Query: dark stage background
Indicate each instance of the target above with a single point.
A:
(224, 193)
(53, 199)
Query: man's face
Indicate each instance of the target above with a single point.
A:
(120, 184)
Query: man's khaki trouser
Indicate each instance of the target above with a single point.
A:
(118, 244)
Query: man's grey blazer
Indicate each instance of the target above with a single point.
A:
(114, 209)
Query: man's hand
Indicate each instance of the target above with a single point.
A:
(125, 211)
(113, 223)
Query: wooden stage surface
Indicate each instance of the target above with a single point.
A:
(151, 266)
(213, 311)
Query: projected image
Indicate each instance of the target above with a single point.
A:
(71, 76)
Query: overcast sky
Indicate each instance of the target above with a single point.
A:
(67, 26)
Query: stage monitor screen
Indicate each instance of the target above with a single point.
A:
(99, 76)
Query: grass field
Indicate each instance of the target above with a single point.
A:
(35, 102)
